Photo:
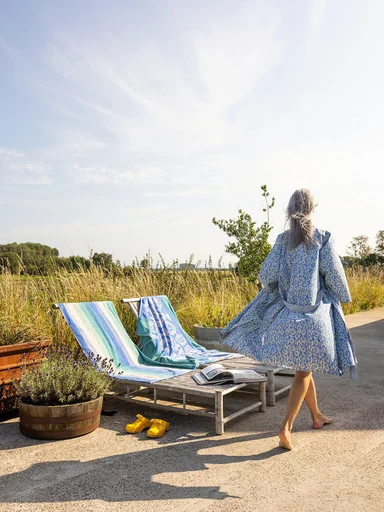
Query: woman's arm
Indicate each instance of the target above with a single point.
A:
(269, 271)
(332, 270)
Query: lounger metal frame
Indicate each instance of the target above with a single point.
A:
(269, 371)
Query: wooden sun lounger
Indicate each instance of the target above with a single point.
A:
(269, 371)
(175, 391)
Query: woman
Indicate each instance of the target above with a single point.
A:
(296, 320)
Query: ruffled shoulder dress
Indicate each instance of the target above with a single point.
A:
(296, 320)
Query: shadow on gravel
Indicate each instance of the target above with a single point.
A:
(355, 405)
(128, 477)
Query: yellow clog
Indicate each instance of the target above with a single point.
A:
(158, 428)
(139, 425)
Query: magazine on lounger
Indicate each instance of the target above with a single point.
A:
(217, 374)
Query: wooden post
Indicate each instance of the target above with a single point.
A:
(263, 396)
(219, 411)
(271, 399)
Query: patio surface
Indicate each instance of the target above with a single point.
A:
(191, 469)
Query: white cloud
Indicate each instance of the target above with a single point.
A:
(19, 168)
(183, 193)
(233, 59)
(151, 174)
(100, 175)
(76, 140)
(60, 62)
(316, 14)
(132, 99)
(8, 153)
(104, 175)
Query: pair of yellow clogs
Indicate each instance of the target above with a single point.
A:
(157, 428)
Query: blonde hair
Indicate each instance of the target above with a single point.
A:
(299, 211)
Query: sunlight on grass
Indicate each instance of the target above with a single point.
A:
(205, 297)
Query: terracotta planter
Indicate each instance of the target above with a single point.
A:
(10, 368)
(59, 421)
(209, 337)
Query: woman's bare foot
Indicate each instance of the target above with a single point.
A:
(321, 420)
(285, 439)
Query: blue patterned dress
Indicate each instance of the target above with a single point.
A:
(296, 320)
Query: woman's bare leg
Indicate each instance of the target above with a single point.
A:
(318, 417)
(299, 389)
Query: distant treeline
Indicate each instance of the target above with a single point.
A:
(38, 259)
(362, 254)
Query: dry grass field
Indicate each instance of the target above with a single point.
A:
(210, 296)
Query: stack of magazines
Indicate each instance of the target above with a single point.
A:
(217, 374)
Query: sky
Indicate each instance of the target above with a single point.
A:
(126, 126)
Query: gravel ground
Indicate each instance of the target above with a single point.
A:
(338, 468)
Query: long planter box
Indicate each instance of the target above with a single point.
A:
(12, 358)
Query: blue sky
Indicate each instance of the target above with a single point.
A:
(127, 126)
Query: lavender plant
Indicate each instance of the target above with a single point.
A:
(62, 379)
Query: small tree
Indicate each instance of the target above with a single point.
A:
(380, 243)
(102, 259)
(359, 247)
(251, 244)
(145, 263)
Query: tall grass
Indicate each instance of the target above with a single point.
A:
(366, 285)
(197, 296)
(205, 297)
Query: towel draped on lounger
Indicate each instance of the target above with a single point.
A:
(163, 339)
(98, 329)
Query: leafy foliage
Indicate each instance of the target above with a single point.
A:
(361, 253)
(102, 259)
(379, 249)
(359, 247)
(37, 259)
(61, 379)
(251, 244)
(32, 257)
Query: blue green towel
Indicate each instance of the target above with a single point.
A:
(163, 339)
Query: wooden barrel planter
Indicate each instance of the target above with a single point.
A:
(12, 358)
(59, 421)
(210, 338)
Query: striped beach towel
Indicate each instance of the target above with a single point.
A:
(98, 329)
